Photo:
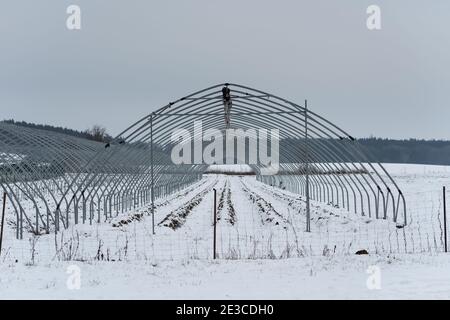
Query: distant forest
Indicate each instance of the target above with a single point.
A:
(408, 151)
(96, 133)
(383, 150)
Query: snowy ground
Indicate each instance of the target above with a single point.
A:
(345, 277)
(263, 248)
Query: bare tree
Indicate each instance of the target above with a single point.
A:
(97, 133)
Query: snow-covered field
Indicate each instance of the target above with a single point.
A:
(263, 249)
(340, 277)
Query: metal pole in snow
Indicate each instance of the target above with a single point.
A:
(215, 223)
(152, 177)
(445, 220)
(308, 213)
(3, 221)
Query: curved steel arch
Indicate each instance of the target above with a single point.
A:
(346, 169)
(91, 181)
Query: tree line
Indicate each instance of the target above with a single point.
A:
(408, 151)
(96, 133)
(380, 149)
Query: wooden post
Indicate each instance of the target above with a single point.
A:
(3, 221)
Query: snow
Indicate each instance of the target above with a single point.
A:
(344, 277)
(263, 249)
(230, 168)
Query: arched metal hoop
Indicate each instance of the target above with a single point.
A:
(68, 180)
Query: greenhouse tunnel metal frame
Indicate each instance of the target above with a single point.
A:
(69, 180)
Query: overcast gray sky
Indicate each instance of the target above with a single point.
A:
(132, 57)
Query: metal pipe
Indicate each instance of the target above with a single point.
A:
(3, 221)
(308, 213)
(445, 220)
(215, 223)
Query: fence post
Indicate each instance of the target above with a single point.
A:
(3, 221)
(215, 224)
(152, 186)
(308, 212)
(445, 220)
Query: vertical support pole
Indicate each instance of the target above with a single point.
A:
(21, 223)
(75, 209)
(98, 211)
(445, 220)
(151, 173)
(308, 212)
(18, 224)
(37, 220)
(57, 219)
(215, 223)
(3, 221)
(47, 227)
